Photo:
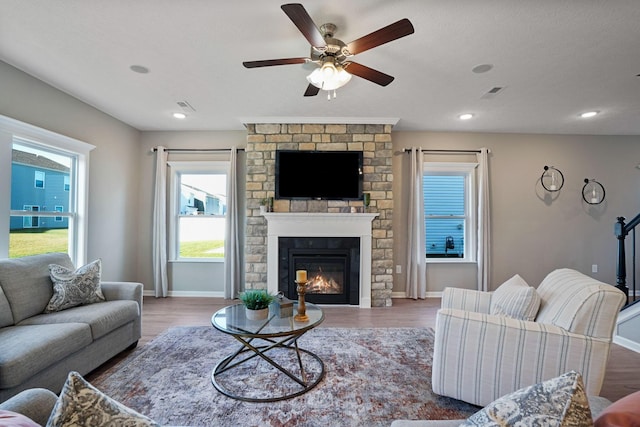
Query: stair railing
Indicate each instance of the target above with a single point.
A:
(621, 232)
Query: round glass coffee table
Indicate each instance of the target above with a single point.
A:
(269, 366)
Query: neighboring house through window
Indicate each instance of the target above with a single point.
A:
(449, 196)
(198, 201)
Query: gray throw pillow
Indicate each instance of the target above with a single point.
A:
(72, 288)
(560, 401)
(81, 404)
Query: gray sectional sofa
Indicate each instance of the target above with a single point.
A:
(38, 349)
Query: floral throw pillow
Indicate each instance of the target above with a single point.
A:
(560, 401)
(81, 404)
(73, 288)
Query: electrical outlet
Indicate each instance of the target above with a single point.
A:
(594, 268)
(398, 269)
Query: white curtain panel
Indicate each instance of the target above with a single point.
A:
(416, 268)
(159, 246)
(484, 216)
(232, 244)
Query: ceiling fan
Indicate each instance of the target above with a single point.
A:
(332, 56)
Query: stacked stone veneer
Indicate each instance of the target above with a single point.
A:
(373, 140)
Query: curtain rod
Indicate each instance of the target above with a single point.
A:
(154, 149)
(424, 150)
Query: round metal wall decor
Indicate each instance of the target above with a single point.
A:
(552, 179)
(593, 192)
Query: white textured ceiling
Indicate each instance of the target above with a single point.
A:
(555, 59)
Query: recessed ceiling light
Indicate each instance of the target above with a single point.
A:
(139, 69)
(588, 114)
(179, 116)
(482, 68)
(465, 116)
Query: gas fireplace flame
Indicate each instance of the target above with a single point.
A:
(321, 284)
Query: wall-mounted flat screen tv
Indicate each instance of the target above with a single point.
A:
(321, 175)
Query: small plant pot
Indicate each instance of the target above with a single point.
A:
(263, 209)
(261, 314)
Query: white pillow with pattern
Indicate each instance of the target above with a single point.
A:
(72, 288)
(560, 401)
(81, 404)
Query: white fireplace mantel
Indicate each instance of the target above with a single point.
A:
(321, 225)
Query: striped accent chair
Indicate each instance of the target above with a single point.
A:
(479, 357)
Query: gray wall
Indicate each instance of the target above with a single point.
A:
(531, 234)
(113, 189)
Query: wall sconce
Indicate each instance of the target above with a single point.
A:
(593, 192)
(552, 179)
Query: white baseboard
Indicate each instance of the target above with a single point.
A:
(217, 294)
(626, 343)
(200, 294)
(428, 295)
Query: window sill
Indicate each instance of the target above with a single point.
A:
(450, 261)
(197, 260)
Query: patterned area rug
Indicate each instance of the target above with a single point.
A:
(372, 377)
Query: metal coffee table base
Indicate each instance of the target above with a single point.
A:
(290, 344)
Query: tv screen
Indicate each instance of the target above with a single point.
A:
(326, 175)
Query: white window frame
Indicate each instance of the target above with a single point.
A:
(468, 169)
(11, 131)
(177, 168)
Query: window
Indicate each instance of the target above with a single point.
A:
(59, 209)
(450, 211)
(30, 155)
(39, 179)
(198, 208)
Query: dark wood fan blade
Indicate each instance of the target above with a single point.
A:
(272, 62)
(311, 90)
(367, 73)
(297, 13)
(384, 35)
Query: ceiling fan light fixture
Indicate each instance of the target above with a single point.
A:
(329, 76)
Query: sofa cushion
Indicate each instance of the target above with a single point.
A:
(6, 318)
(516, 299)
(81, 404)
(102, 317)
(74, 287)
(26, 350)
(26, 282)
(560, 401)
(622, 413)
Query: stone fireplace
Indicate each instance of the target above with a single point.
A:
(375, 281)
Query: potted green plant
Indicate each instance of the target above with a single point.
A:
(257, 303)
(264, 203)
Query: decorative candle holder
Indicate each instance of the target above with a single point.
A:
(301, 287)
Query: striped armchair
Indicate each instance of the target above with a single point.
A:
(479, 357)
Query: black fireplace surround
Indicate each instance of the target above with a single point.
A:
(332, 261)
